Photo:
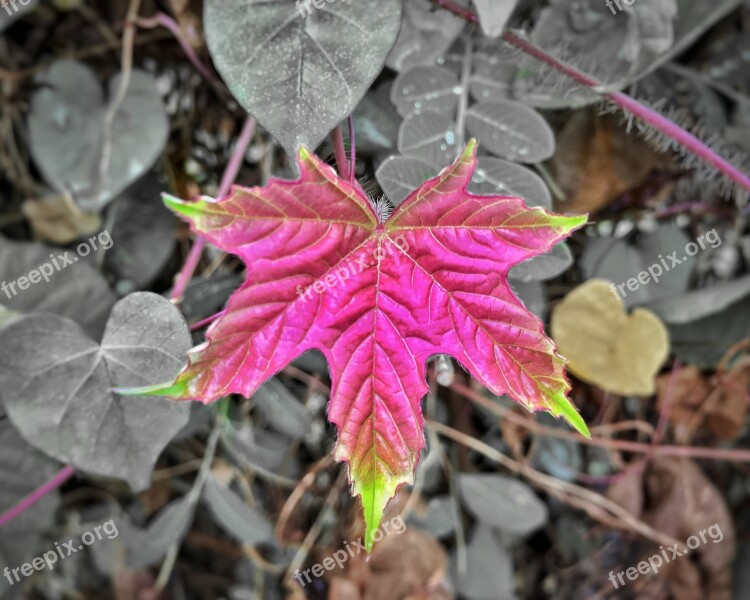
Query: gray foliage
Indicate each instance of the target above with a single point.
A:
(497, 177)
(68, 136)
(502, 502)
(7, 18)
(545, 266)
(425, 88)
(148, 546)
(57, 386)
(494, 14)
(511, 130)
(144, 230)
(300, 75)
(429, 136)
(239, 520)
(283, 411)
(489, 567)
(425, 35)
(399, 176)
(617, 261)
(77, 292)
(23, 469)
(687, 308)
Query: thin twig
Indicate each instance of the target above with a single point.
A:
(596, 506)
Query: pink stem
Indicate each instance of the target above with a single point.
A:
(230, 174)
(352, 150)
(207, 321)
(168, 22)
(61, 477)
(684, 138)
(341, 160)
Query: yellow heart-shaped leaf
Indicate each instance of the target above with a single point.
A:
(606, 346)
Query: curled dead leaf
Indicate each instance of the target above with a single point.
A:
(615, 351)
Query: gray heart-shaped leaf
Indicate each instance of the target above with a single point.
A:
(300, 68)
(68, 135)
(56, 384)
(75, 291)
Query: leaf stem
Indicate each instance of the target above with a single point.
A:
(683, 137)
(57, 480)
(352, 149)
(338, 144)
(164, 20)
(230, 174)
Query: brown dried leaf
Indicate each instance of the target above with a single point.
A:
(597, 161)
(689, 389)
(680, 501)
(727, 417)
(58, 220)
(408, 566)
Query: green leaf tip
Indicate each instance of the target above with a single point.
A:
(176, 389)
(375, 497)
(470, 150)
(560, 406)
(186, 209)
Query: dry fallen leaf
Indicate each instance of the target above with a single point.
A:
(696, 400)
(615, 351)
(679, 500)
(406, 566)
(58, 220)
(597, 161)
(689, 389)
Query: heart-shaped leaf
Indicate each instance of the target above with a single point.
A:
(300, 67)
(75, 291)
(377, 299)
(56, 384)
(69, 138)
(618, 352)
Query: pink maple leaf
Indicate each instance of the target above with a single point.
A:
(377, 299)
